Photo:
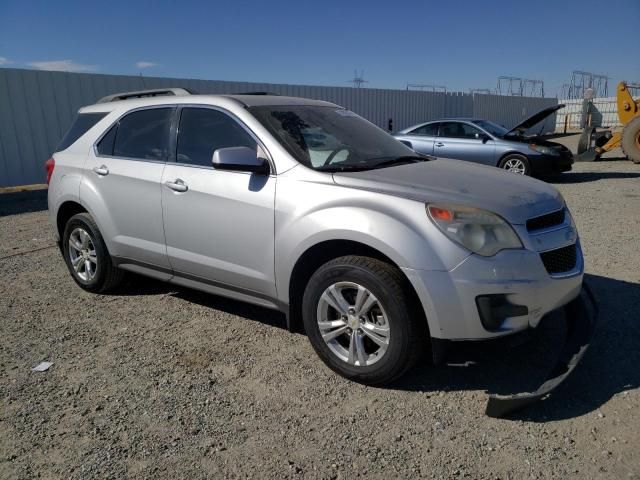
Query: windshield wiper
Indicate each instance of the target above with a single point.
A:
(343, 168)
(400, 160)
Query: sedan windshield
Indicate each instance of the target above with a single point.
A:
(491, 127)
(332, 138)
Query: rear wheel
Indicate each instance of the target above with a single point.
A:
(516, 163)
(631, 140)
(86, 255)
(361, 321)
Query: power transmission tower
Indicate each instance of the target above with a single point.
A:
(583, 81)
(532, 88)
(509, 86)
(358, 80)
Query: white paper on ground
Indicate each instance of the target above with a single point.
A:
(42, 367)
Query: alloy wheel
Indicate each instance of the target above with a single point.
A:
(353, 324)
(515, 165)
(82, 254)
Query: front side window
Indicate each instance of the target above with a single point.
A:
(330, 138)
(143, 134)
(430, 130)
(203, 131)
(458, 130)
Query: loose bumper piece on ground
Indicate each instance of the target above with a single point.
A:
(581, 316)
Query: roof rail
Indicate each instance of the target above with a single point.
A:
(145, 93)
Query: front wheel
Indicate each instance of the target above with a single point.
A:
(361, 319)
(516, 164)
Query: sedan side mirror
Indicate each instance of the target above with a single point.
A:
(483, 136)
(240, 159)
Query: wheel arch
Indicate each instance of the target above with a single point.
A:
(319, 254)
(67, 210)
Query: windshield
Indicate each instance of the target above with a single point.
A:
(492, 128)
(332, 138)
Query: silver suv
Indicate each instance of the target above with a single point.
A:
(305, 207)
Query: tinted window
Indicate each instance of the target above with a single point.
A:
(81, 125)
(458, 130)
(430, 129)
(203, 131)
(144, 134)
(105, 146)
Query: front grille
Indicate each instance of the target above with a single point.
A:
(546, 221)
(560, 260)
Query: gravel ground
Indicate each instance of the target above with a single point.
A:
(156, 381)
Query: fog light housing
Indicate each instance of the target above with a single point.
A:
(494, 309)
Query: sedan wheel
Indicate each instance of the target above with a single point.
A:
(515, 165)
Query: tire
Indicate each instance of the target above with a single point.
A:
(631, 140)
(390, 308)
(96, 272)
(516, 163)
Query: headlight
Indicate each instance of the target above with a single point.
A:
(482, 232)
(543, 150)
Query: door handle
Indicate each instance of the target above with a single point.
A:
(102, 170)
(439, 144)
(177, 185)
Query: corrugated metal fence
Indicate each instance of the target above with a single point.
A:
(37, 107)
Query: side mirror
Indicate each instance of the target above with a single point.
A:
(240, 159)
(483, 136)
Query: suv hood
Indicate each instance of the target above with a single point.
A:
(513, 197)
(533, 119)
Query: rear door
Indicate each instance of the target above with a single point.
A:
(462, 141)
(219, 224)
(423, 138)
(122, 184)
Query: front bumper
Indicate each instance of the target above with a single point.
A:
(581, 315)
(550, 164)
(449, 298)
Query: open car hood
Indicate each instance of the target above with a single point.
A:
(533, 119)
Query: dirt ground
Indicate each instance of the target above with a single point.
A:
(155, 381)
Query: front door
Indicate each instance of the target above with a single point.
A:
(462, 141)
(219, 225)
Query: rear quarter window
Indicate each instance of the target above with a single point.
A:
(80, 126)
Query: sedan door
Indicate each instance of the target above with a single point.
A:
(219, 225)
(462, 141)
(122, 186)
(421, 138)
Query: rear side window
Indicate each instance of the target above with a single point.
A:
(105, 146)
(143, 135)
(430, 129)
(203, 131)
(81, 125)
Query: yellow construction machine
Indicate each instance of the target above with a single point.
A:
(592, 144)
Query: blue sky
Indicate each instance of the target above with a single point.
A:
(461, 44)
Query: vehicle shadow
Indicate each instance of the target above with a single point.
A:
(22, 202)
(139, 285)
(505, 366)
(583, 177)
(609, 367)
